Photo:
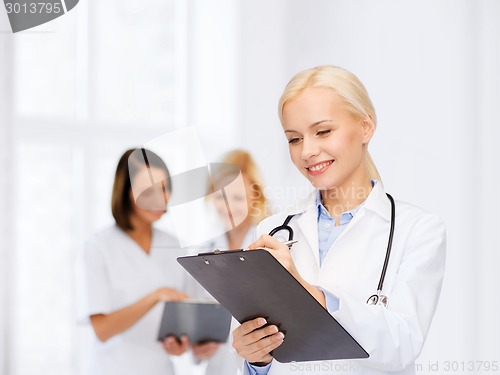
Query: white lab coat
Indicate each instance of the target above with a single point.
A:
(114, 272)
(393, 335)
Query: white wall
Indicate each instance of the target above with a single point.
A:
(264, 56)
(485, 200)
(214, 73)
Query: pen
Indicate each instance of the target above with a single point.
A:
(290, 243)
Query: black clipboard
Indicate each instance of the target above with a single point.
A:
(200, 321)
(251, 284)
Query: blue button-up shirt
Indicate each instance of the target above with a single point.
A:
(328, 232)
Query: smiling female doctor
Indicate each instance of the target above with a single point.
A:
(343, 231)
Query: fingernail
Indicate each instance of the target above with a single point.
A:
(280, 336)
(261, 321)
(274, 329)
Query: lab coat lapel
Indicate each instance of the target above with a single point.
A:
(376, 202)
(359, 215)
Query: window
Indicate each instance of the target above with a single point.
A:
(81, 96)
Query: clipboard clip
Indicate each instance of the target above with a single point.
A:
(218, 251)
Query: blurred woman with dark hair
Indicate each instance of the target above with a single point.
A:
(127, 269)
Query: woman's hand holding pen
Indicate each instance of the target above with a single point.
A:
(279, 250)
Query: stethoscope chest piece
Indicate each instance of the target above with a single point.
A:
(377, 299)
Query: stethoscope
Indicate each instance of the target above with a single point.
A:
(377, 298)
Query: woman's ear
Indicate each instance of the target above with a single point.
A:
(368, 128)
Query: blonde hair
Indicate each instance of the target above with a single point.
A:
(245, 163)
(346, 85)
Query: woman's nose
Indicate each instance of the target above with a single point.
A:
(309, 148)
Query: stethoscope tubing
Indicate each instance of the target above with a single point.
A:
(284, 226)
(378, 297)
(389, 243)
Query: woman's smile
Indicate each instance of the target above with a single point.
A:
(319, 168)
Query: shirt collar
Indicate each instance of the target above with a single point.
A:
(346, 216)
(376, 201)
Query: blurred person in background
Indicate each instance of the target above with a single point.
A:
(127, 270)
(237, 193)
(238, 197)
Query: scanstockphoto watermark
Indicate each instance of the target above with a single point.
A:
(441, 367)
(323, 366)
(26, 14)
(333, 367)
(460, 367)
(346, 198)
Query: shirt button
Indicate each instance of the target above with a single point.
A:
(327, 225)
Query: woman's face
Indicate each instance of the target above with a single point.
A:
(239, 198)
(148, 189)
(326, 142)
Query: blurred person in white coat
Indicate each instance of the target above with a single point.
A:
(237, 193)
(127, 270)
(342, 231)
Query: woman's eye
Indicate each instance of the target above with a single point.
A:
(323, 132)
(293, 140)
